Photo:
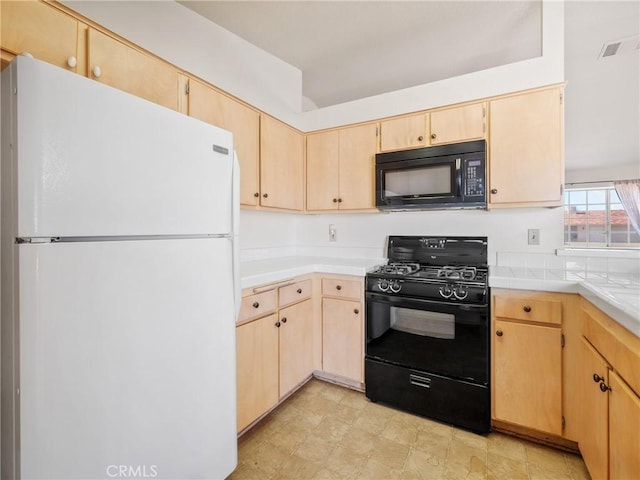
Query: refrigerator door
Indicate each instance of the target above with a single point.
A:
(91, 160)
(127, 359)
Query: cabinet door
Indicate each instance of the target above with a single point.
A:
(39, 29)
(526, 149)
(624, 430)
(296, 345)
(257, 368)
(527, 375)
(357, 167)
(323, 163)
(281, 165)
(342, 338)
(211, 106)
(128, 69)
(594, 425)
(458, 124)
(404, 132)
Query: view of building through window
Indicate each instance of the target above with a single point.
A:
(594, 217)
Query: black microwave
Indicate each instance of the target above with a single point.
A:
(444, 176)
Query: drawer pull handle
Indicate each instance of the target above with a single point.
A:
(356, 311)
(419, 381)
(499, 333)
(597, 378)
(526, 308)
(433, 136)
(255, 305)
(494, 190)
(284, 319)
(338, 287)
(604, 388)
(420, 138)
(299, 290)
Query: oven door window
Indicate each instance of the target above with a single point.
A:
(422, 322)
(429, 180)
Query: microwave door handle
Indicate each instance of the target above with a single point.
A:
(458, 178)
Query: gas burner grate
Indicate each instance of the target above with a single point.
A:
(399, 268)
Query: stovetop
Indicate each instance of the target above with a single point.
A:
(437, 268)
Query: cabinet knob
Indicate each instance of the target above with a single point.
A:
(335, 200)
(339, 200)
(526, 308)
(72, 62)
(265, 195)
(277, 324)
(356, 311)
(299, 290)
(284, 319)
(494, 190)
(433, 136)
(97, 71)
(255, 305)
(499, 333)
(604, 388)
(256, 194)
(420, 138)
(597, 378)
(338, 287)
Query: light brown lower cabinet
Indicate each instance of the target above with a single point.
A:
(296, 345)
(257, 368)
(610, 408)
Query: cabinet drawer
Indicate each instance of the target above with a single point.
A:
(540, 311)
(257, 305)
(294, 292)
(333, 287)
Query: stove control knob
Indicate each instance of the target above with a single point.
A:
(446, 291)
(460, 292)
(383, 285)
(395, 286)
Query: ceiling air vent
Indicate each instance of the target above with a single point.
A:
(618, 47)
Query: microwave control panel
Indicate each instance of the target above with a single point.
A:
(474, 174)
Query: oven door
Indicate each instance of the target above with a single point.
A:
(438, 337)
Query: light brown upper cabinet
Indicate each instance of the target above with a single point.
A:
(458, 124)
(281, 165)
(340, 169)
(123, 67)
(41, 30)
(401, 133)
(209, 105)
(526, 160)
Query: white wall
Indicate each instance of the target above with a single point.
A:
(627, 171)
(364, 234)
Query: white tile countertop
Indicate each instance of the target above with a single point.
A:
(259, 272)
(615, 292)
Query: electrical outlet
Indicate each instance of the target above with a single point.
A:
(332, 233)
(534, 236)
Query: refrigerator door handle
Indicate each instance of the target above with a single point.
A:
(235, 219)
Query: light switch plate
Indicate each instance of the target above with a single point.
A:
(534, 236)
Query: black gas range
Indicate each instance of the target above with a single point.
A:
(427, 318)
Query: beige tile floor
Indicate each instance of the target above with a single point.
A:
(328, 432)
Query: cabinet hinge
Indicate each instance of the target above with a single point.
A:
(484, 112)
(561, 189)
(561, 98)
(186, 88)
(564, 422)
(377, 131)
(562, 340)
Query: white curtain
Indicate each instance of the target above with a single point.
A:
(629, 193)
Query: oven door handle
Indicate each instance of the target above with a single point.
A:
(431, 304)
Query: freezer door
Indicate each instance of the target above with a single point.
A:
(91, 160)
(127, 360)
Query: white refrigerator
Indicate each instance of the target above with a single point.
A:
(119, 284)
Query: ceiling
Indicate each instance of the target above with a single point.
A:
(348, 50)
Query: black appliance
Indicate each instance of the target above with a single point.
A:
(427, 330)
(446, 176)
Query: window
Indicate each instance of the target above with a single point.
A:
(594, 217)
